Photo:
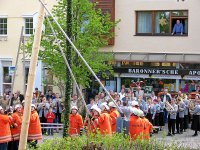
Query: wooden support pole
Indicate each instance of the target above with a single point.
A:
(31, 80)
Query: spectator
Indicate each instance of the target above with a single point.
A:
(74, 100)
(21, 96)
(49, 95)
(139, 92)
(15, 100)
(178, 28)
(122, 94)
(4, 102)
(42, 111)
(34, 99)
(58, 108)
(50, 118)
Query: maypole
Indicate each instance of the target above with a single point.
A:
(68, 87)
(31, 80)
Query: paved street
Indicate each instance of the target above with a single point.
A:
(184, 139)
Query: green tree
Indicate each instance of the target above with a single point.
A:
(90, 32)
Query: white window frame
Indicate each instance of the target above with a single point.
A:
(4, 17)
(28, 17)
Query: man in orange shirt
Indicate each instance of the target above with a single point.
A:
(114, 114)
(75, 122)
(136, 125)
(5, 134)
(16, 124)
(104, 121)
(34, 131)
(148, 127)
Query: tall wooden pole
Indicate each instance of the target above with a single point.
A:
(68, 87)
(31, 80)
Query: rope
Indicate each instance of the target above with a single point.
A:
(69, 68)
(79, 54)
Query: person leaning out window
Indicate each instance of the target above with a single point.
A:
(178, 28)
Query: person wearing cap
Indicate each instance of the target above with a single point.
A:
(148, 127)
(90, 123)
(156, 111)
(75, 122)
(104, 107)
(103, 120)
(114, 114)
(136, 125)
(135, 104)
(16, 124)
(34, 131)
(196, 117)
(5, 134)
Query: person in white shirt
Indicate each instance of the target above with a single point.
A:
(122, 94)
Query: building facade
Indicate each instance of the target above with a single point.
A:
(145, 47)
(13, 16)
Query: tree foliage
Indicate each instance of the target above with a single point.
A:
(90, 32)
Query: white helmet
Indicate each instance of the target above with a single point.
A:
(97, 109)
(140, 113)
(134, 103)
(112, 104)
(32, 105)
(74, 107)
(1, 108)
(105, 105)
(23, 101)
(93, 106)
(18, 106)
(134, 111)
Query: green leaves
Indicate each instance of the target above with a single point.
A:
(89, 29)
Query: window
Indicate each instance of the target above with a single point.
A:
(144, 22)
(7, 79)
(160, 22)
(28, 26)
(3, 26)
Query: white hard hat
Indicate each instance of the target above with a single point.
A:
(134, 103)
(23, 101)
(105, 105)
(97, 109)
(18, 106)
(1, 108)
(140, 113)
(112, 104)
(74, 107)
(93, 106)
(134, 111)
(32, 105)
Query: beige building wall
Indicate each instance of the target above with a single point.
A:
(15, 11)
(126, 41)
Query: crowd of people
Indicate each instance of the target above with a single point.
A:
(141, 111)
(178, 111)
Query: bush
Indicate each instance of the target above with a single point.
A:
(116, 142)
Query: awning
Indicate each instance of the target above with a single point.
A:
(157, 57)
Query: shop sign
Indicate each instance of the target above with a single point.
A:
(154, 71)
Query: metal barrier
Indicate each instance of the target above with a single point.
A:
(52, 125)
